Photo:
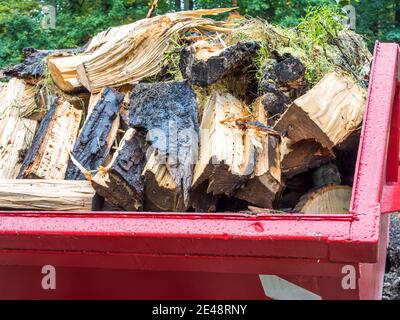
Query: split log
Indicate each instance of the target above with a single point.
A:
(328, 113)
(93, 101)
(16, 136)
(125, 109)
(48, 157)
(223, 159)
(204, 63)
(237, 158)
(168, 113)
(45, 195)
(63, 71)
(303, 156)
(97, 136)
(331, 199)
(19, 99)
(161, 191)
(130, 53)
(265, 182)
(121, 182)
(33, 68)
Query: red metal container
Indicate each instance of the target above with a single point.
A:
(221, 256)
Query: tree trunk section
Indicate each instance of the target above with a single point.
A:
(237, 158)
(329, 113)
(331, 199)
(16, 136)
(265, 182)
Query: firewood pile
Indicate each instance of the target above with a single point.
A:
(176, 113)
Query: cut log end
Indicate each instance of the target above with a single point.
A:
(63, 71)
(329, 113)
(331, 199)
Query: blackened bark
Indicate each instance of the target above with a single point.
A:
(231, 59)
(39, 138)
(130, 163)
(279, 79)
(168, 112)
(33, 68)
(92, 146)
(124, 185)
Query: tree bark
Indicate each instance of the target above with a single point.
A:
(204, 64)
(167, 111)
(33, 68)
(121, 182)
(97, 136)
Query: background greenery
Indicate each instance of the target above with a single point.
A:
(78, 20)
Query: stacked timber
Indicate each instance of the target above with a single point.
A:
(169, 114)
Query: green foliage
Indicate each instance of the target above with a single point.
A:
(320, 25)
(79, 20)
(172, 58)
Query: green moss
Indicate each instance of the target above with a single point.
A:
(171, 59)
